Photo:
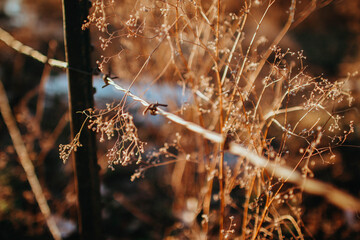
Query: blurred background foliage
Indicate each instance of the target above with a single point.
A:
(142, 209)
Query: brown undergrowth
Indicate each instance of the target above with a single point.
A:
(241, 81)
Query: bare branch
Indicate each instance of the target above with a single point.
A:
(26, 163)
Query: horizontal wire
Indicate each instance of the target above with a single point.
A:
(212, 136)
(333, 195)
(29, 51)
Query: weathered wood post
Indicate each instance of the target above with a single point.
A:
(77, 48)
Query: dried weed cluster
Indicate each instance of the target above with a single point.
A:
(243, 86)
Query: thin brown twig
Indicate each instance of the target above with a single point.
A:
(44, 78)
(246, 208)
(239, 34)
(239, 75)
(276, 41)
(304, 14)
(26, 163)
(48, 143)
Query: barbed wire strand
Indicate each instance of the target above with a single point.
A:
(29, 51)
(212, 136)
(335, 196)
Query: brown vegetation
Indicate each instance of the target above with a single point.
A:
(241, 153)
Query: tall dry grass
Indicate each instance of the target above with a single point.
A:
(242, 83)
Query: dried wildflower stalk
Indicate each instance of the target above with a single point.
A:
(252, 98)
(109, 123)
(272, 102)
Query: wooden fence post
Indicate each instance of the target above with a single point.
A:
(77, 48)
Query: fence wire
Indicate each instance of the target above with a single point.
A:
(333, 195)
(29, 51)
